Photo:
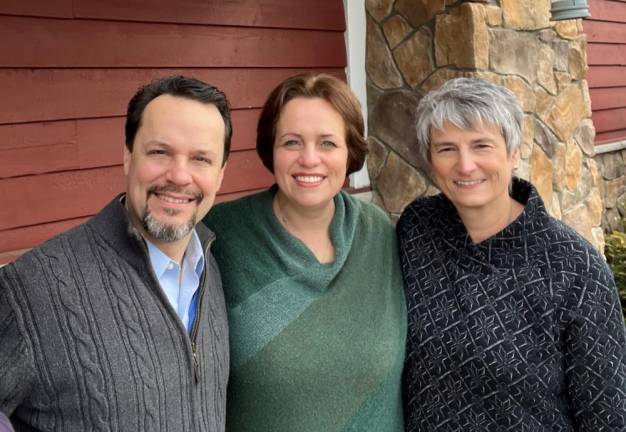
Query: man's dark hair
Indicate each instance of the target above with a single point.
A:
(180, 86)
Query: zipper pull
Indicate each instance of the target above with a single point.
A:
(196, 371)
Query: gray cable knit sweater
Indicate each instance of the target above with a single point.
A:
(89, 341)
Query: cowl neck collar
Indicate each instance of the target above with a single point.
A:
(512, 244)
(295, 252)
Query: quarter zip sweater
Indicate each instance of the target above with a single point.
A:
(89, 341)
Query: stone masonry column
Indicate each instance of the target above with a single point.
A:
(414, 46)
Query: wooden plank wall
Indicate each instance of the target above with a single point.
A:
(69, 67)
(606, 54)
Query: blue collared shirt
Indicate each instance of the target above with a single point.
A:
(180, 291)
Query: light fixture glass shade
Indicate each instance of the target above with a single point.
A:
(569, 9)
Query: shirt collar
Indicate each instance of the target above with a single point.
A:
(193, 256)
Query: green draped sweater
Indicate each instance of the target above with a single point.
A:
(314, 347)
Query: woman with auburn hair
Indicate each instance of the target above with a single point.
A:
(514, 319)
(311, 276)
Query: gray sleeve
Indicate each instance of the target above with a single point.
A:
(16, 362)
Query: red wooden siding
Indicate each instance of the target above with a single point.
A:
(321, 14)
(606, 54)
(68, 68)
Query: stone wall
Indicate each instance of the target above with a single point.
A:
(612, 166)
(414, 46)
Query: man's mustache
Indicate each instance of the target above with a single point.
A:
(197, 195)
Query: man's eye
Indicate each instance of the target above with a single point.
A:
(203, 160)
(157, 152)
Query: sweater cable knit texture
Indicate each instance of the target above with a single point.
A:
(89, 341)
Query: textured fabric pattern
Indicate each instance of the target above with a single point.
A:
(314, 347)
(521, 332)
(89, 342)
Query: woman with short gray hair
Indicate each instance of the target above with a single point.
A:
(514, 319)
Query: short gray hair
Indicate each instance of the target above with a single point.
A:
(466, 102)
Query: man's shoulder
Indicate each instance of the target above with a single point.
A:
(54, 245)
(70, 243)
(50, 261)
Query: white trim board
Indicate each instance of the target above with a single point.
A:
(610, 147)
(356, 24)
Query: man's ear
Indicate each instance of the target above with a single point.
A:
(127, 157)
(220, 177)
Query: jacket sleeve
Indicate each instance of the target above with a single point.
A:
(594, 344)
(16, 364)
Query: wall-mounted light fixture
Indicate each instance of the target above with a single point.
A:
(569, 9)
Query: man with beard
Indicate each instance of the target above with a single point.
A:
(119, 324)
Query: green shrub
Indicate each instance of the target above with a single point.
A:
(615, 252)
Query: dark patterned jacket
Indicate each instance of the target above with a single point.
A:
(521, 332)
(90, 342)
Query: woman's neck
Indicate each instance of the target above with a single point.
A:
(482, 223)
(308, 224)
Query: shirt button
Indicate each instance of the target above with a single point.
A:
(170, 266)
